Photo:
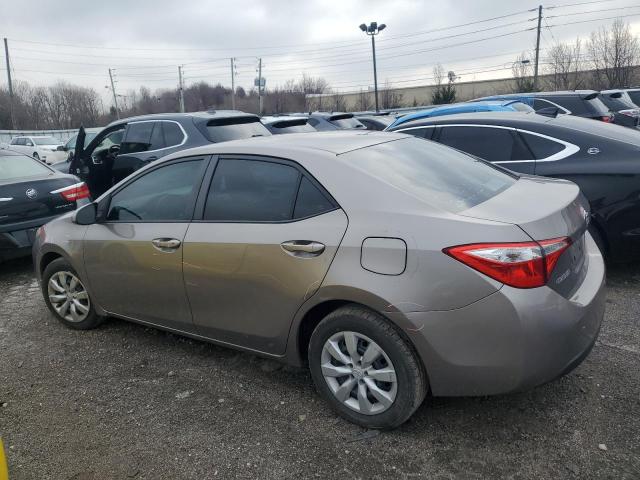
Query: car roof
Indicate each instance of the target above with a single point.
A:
(480, 117)
(539, 94)
(467, 107)
(334, 143)
(206, 115)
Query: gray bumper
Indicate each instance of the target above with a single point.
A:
(513, 339)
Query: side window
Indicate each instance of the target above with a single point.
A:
(157, 137)
(251, 191)
(27, 142)
(542, 147)
(417, 132)
(137, 138)
(492, 144)
(165, 194)
(574, 104)
(15, 141)
(311, 201)
(172, 134)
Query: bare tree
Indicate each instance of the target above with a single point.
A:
(364, 101)
(443, 92)
(564, 65)
(522, 71)
(389, 97)
(615, 53)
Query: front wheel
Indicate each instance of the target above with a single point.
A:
(366, 371)
(67, 297)
(36, 156)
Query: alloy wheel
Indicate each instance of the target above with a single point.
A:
(359, 373)
(68, 296)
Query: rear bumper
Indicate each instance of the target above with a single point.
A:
(513, 339)
(20, 236)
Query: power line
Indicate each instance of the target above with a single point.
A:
(576, 4)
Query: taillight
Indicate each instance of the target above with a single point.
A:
(607, 118)
(520, 265)
(74, 192)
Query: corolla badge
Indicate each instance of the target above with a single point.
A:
(593, 151)
(31, 193)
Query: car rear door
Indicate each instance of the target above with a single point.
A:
(266, 236)
(134, 256)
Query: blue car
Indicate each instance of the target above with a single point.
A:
(450, 109)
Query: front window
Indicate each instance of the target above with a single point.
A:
(162, 195)
(432, 173)
(45, 141)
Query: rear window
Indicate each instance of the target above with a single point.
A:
(20, 166)
(579, 106)
(235, 128)
(432, 173)
(292, 126)
(346, 122)
(635, 96)
(616, 103)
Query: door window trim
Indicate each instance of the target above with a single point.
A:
(553, 104)
(433, 127)
(569, 149)
(192, 201)
(185, 136)
(207, 183)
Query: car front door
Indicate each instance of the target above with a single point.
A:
(18, 145)
(134, 256)
(496, 144)
(266, 235)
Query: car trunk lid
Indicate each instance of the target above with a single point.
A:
(545, 209)
(31, 199)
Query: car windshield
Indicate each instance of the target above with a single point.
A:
(235, 128)
(45, 141)
(20, 166)
(440, 176)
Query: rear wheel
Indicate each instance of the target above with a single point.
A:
(366, 371)
(67, 297)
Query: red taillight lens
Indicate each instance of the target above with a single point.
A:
(520, 265)
(607, 118)
(74, 192)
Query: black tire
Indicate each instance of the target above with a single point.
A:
(91, 320)
(36, 156)
(412, 384)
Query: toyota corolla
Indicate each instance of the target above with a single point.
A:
(388, 265)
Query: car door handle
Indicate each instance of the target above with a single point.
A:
(166, 244)
(303, 246)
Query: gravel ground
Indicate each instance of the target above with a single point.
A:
(125, 401)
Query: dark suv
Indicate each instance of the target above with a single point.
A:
(580, 103)
(128, 144)
(328, 121)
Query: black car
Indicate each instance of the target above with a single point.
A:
(287, 124)
(31, 194)
(626, 112)
(376, 122)
(579, 103)
(328, 121)
(128, 144)
(604, 160)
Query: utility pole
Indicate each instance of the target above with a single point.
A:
(181, 87)
(6, 55)
(115, 97)
(233, 86)
(375, 70)
(259, 86)
(535, 71)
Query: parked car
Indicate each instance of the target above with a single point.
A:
(128, 144)
(376, 122)
(634, 94)
(279, 124)
(602, 159)
(468, 107)
(626, 112)
(328, 121)
(70, 145)
(31, 194)
(319, 249)
(580, 103)
(46, 149)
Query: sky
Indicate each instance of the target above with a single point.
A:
(145, 41)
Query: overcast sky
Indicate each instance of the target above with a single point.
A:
(145, 41)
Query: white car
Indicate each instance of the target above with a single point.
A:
(46, 149)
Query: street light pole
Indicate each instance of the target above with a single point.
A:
(372, 30)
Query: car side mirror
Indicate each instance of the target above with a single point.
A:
(87, 215)
(114, 149)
